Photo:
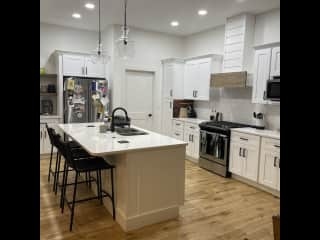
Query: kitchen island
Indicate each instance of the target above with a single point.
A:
(150, 172)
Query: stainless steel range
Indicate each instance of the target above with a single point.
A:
(215, 144)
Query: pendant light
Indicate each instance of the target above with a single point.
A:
(99, 54)
(124, 45)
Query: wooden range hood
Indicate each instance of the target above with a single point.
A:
(229, 80)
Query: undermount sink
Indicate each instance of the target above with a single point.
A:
(129, 131)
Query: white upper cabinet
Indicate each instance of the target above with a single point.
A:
(238, 41)
(191, 78)
(275, 62)
(173, 78)
(82, 66)
(94, 69)
(197, 75)
(266, 66)
(73, 65)
(262, 60)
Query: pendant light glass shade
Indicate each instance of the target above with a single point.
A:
(125, 46)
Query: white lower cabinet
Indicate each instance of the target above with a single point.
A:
(255, 158)
(190, 133)
(244, 156)
(269, 173)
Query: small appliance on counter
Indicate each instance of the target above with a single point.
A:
(259, 119)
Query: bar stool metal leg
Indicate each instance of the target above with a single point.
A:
(73, 201)
(112, 198)
(55, 172)
(50, 163)
(63, 183)
(64, 187)
(100, 184)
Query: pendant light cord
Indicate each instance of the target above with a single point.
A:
(99, 32)
(125, 22)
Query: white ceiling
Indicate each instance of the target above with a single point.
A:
(153, 15)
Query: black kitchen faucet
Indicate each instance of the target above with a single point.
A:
(119, 122)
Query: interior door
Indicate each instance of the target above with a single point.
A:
(73, 65)
(94, 69)
(139, 98)
(261, 74)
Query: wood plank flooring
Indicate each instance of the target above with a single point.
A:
(215, 208)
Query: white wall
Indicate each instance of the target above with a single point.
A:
(235, 104)
(53, 37)
(211, 41)
(150, 49)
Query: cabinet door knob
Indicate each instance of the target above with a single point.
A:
(240, 152)
(275, 161)
(244, 152)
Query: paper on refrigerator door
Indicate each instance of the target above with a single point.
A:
(104, 101)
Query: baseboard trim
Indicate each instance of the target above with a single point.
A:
(148, 218)
(256, 185)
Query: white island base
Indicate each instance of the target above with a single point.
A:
(149, 186)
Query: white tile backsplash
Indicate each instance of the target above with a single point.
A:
(235, 105)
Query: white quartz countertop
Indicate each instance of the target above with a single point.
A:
(101, 144)
(191, 120)
(259, 132)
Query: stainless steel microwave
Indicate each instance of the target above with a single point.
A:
(273, 89)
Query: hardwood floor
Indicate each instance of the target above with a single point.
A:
(215, 208)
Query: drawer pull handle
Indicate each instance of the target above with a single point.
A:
(177, 134)
(178, 124)
(245, 139)
(277, 146)
(274, 161)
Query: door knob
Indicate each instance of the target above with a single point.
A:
(149, 115)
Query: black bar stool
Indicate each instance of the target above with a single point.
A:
(52, 133)
(76, 148)
(83, 165)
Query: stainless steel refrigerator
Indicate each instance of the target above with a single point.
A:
(78, 104)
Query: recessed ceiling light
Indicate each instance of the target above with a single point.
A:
(174, 23)
(76, 15)
(202, 12)
(89, 5)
